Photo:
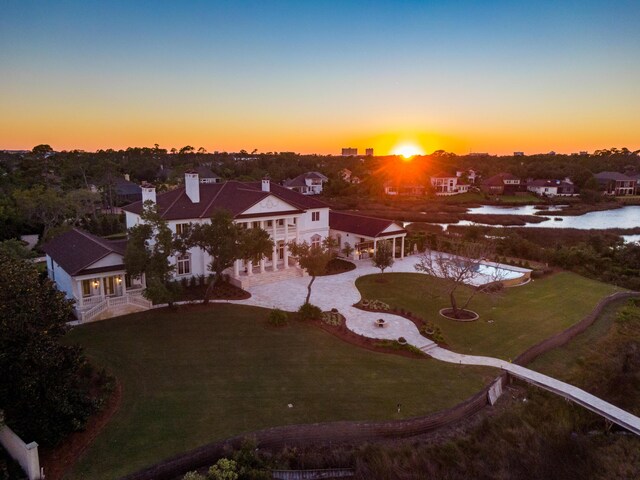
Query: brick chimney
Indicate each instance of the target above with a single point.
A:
(192, 185)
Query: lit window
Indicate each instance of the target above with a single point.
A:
(184, 265)
(315, 216)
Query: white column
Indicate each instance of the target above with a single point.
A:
(124, 284)
(262, 261)
(274, 258)
(80, 296)
(402, 248)
(249, 268)
(236, 268)
(297, 230)
(394, 247)
(375, 245)
(102, 289)
(286, 239)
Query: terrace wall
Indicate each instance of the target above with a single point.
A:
(25, 454)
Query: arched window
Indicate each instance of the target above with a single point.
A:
(315, 240)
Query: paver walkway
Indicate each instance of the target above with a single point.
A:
(339, 291)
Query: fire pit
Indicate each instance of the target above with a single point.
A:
(381, 322)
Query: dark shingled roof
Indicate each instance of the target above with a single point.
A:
(236, 197)
(205, 172)
(361, 225)
(299, 181)
(499, 179)
(612, 176)
(76, 249)
(126, 187)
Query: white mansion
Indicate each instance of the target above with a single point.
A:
(91, 270)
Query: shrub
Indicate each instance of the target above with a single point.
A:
(277, 317)
(309, 312)
(332, 318)
(193, 476)
(224, 469)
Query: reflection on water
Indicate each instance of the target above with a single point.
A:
(626, 217)
(631, 238)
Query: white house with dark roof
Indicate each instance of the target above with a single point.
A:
(90, 270)
(616, 183)
(448, 184)
(285, 214)
(309, 183)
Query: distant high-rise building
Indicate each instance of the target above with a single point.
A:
(349, 152)
(369, 152)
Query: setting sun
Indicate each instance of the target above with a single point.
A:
(407, 150)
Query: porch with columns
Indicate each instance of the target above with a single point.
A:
(368, 247)
(280, 265)
(95, 294)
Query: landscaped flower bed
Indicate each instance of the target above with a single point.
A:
(333, 318)
(373, 305)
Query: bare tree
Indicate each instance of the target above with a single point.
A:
(465, 264)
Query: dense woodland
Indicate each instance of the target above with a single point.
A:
(42, 190)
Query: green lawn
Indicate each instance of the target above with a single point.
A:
(194, 376)
(509, 323)
(567, 362)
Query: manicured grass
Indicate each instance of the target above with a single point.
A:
(196, 375)
(509, 323)
(567, 362)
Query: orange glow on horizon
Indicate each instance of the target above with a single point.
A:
(407, 150)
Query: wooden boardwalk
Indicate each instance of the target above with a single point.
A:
(575, 394)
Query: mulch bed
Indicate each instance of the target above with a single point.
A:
(338, 265)
(222, 291)
(59, 460)
(463, 315)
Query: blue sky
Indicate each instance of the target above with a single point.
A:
(310, 76)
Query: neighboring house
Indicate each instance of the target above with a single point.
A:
(309, 183)
(615, 183)
(502, 184)
(348, 176)
(126, 191)
(90, 270)
(206, 175)
(405, 189)
(551, 188)
(364, 234)
(470, 174)
(445, 184)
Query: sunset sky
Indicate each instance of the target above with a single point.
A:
(312, 77)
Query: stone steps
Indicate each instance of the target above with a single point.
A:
(257, 279)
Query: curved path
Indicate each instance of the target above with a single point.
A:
(339, 291)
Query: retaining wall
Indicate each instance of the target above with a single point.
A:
(25, 454)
